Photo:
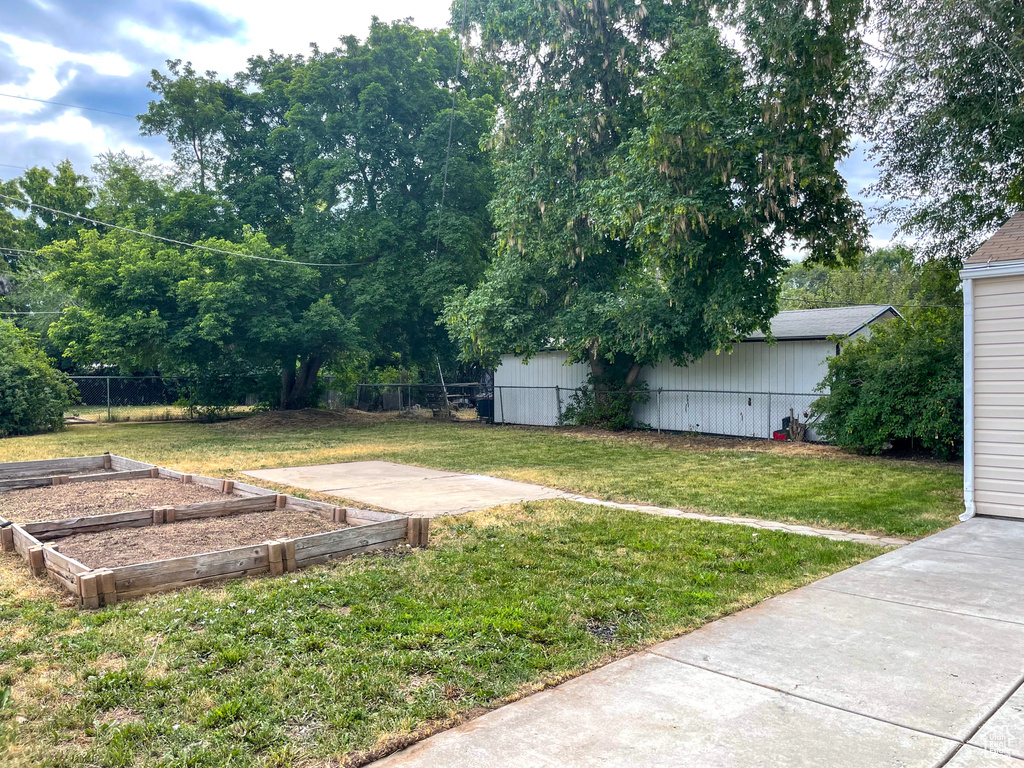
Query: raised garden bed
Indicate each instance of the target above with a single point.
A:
(26, 505)
(105, 558)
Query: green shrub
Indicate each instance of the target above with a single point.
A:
(901, 389)
(599, 405)
(33, 395)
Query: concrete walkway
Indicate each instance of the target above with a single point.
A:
(912, 660)
(414, 490)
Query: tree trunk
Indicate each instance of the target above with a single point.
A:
(287, 382)
(297, 386)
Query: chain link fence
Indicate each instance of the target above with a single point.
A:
(161, 398)
(729, 413)
(460, 397)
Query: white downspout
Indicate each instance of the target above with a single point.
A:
(968, 399)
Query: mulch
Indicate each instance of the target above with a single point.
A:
(128, 546)
(61, 502)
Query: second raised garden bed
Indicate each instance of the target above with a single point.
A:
(348, 531)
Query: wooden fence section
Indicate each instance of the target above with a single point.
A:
(38, 542)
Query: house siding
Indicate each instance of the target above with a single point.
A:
(998, 408)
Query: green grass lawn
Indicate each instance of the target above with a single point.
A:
(826, 488)
(353, 659)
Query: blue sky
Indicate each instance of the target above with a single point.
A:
(99, 53)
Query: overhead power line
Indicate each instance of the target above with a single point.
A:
(3, 312)
(69, 106)
(172, 241)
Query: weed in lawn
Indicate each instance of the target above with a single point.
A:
(354, 658)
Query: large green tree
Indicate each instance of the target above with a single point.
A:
(24, 230)
(149, 306)
(337, 159)
(650, 172)
(947, 118)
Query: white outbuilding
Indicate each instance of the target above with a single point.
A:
(993, 282)
(749, 391)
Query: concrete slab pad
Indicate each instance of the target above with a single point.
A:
(1004, 731)
(350, 474)
(446, 496)
(906, 665)
(408, 489)
(968, 757)
(981, 536)
(978, 585)
(649, 712)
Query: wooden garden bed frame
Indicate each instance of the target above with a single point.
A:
(38, 542)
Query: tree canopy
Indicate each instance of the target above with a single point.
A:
(946, 117)
(336, 159)
(649, 173)
(893, 275)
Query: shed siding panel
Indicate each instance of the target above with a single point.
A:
(717, 394)
(517, 399)
(999, 396)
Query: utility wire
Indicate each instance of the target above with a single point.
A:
(176, 242)
(2, 312)
(62, 104)
(451, 122)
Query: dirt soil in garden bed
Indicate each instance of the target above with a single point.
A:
(128, 546)
(61, 502)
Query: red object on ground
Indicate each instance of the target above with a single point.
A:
(780, 436)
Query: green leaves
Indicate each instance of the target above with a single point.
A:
(33, 396)
(901, 388)
(650, 173)
(947, 118)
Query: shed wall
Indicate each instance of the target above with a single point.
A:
(999, 396)
(745, 392)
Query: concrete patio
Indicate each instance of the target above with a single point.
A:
(912, 660)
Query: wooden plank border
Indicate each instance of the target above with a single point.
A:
(18, 469)
(365, 530)
(47, 530)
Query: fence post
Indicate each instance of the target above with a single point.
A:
(771, 430)
(108, 399)
(558, 399)
(501, 402)
(659, 410)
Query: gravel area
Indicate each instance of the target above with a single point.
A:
(60, 502)
(128, 546)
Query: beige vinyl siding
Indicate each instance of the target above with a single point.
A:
(999, 396)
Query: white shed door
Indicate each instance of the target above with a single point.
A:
(999, 396)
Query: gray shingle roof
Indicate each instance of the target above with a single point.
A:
(822, 323)
(1007, 244)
